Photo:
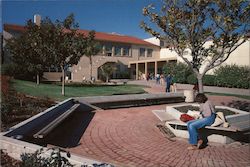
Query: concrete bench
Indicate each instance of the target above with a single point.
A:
(52, 125)
(214, 134)
(117, 81)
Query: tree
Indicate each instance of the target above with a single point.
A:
(91, 49)
(107, 70)
(29, 52)
(210, 30)
(58, 44)
(64, 44)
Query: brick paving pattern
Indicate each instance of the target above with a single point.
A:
(129, 137)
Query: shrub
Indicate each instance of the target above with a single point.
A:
(233, 76)
(209, 80)
(8, 69)
(180, 71)
(36, 159)
(191, 79)
(123, 75)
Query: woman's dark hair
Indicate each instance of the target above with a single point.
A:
(200, 98)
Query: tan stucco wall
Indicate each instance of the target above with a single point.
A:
(81, 71)
(241, 56)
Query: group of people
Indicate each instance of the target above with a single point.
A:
(170, 83)
(160, 79)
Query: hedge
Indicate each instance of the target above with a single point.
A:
(231, 76)
(180, 71)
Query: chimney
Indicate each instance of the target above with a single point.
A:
(37, 19)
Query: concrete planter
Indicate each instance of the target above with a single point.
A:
(240, 120)
(189, 94)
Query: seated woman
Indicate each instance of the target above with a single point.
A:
(208, 113)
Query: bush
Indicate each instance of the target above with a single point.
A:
(8, 69)
(191, 79)
(36, 159)
(54, 160)
(209, 80)
(180, 71)
(233, 76)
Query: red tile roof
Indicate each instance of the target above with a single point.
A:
(100, 36)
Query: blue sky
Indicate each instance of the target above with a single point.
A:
(120, 16)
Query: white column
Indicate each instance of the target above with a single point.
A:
(156, 68)
(137, 71)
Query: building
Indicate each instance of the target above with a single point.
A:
(240, 57)
(116, 48)
(134, 57)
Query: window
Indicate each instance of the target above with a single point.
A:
(118, 51)
(100, 48)
(142, 52)
(126, 51)
(150, 53)
(108, 50)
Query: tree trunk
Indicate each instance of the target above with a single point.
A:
(63, 87)
(107, 79)
(37, 79)
(91, 71)
(200, 84)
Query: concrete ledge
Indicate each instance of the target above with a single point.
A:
(216, 89)
(114, 98)
(39, 120)
(238, 122)
(15, 148)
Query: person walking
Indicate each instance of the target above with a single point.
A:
(161, 79)
(208, 117)
(174, 85)
(157, 78)
(168, 81)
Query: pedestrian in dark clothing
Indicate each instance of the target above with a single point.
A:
(168, 80)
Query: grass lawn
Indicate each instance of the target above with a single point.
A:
(54, 91)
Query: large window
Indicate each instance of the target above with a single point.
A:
(100, 48)
(118, 51)
(126, 51)
(142, 52)
(150, 53)
(108, 50)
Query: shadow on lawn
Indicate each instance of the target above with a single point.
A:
(241, 105)
(69, 133)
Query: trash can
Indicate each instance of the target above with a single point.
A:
(189, 94)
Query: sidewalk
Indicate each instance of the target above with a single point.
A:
(161, 88)
(230, 101)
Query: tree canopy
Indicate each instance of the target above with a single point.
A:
(51, 43)
(91, 49)
(209, 30)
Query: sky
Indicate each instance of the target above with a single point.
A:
(119, 16)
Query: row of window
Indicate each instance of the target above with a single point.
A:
(118, 50)
(146, 52)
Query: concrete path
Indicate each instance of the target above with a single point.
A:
(129, 137)
(161, 88)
